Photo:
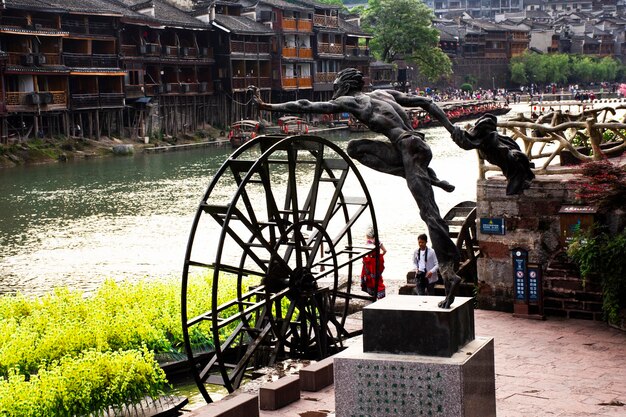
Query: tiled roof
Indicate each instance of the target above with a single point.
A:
(95, 7)
(318, 5)
(33, 5)
(166, 13)
(48, 68)
(351, 29)
(286, 6)
(242, 25)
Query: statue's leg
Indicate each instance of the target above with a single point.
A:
(416, 157)
(445, 185)
(385, 157)
(377, 154)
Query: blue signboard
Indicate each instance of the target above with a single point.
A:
(492, 226)
(520, 257)
(534, 283)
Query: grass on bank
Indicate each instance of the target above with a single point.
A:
(74, 354)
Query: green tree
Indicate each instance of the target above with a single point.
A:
(607, 69)
(536, 68)
(333, 2)
(582, 69)
(518, 73)
(402, 29)
(557, 68)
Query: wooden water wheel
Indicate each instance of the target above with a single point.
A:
(461, 221)
(276, 228)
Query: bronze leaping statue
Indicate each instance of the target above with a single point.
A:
(406, 154)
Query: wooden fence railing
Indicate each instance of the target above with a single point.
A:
(556, 132)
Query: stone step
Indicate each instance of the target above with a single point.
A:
(279, 393)
(317, 375)
(235, 406)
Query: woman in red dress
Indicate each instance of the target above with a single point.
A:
(368, 276)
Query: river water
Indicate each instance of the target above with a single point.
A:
(76, 224)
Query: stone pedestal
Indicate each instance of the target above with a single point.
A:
(416, 359)
(416, 325)
(388, 385)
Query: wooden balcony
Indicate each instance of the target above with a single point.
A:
(169, 51)
(7, 23)
(131, 50)
(290, 52)
(189, 88)
(84, 101)
(241, 83)
(289, 24)
(188, 52)
(134, 90)
(305, 25)
(326, 21)
(206, 87)
(44, 24)
(300, 82)
(14, 21)
(90, 61)
(357, 51)
(325, 77)
(33, 60)
(52, 58)
(31, 101)
(94, 28)
(253, 48)
(495, 53)
(95, 100)
(330, 48)
(305, 53)
(111, 100)
(293, 52)
(298, 25)
(153, 49)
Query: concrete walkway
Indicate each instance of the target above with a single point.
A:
(557, 367)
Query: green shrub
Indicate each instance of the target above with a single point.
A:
(598, 253)
(117, 316)
(56, 350)
(91, 382)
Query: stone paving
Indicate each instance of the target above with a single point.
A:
(557, 367)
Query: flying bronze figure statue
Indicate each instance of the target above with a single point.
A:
(407, 155)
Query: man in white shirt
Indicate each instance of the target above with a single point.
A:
(426, 267)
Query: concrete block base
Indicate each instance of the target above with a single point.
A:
(405, 324)
(317, 375)
(385, 385)
(279, 393)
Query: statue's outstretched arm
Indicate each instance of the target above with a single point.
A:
(298, 106)
(303, 106)
(427, 104)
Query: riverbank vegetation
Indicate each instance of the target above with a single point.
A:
(67, 354)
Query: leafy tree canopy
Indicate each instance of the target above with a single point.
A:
(532, 67)
(402, 29)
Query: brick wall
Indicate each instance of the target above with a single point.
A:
(532, 222)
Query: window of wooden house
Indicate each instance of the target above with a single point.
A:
(103, 47)
(75, 46)
(133, 77)
(110, 84)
